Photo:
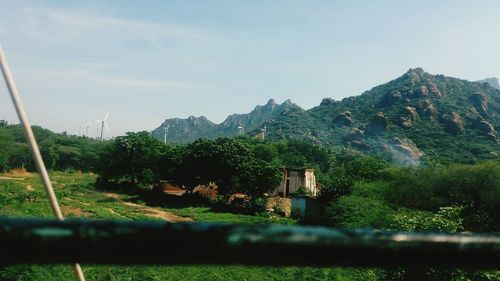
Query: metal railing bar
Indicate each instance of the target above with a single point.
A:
(155, 242)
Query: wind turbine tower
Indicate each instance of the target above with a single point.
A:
(87, 126)
(103, 124)
(242, 129)
(165, 131)
(264, 132)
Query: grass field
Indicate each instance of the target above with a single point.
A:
(22, 195)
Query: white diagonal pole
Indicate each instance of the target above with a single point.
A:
(23, 118)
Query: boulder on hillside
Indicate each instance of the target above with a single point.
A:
(404, 121)
(415, 75)
(355, 134)
(453, 123)
(427, 109)
(411, 113)
(407, 117)
(390, 99)
(343, 119)
(359, 145)
(404, 151)
(480, 101)
(487, 128)
(422, 92)
(435, 91)
(379, 123)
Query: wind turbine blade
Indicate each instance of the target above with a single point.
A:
(106, 125)
(105, 118)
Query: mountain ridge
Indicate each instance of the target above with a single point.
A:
(416, 116)
(189, 129)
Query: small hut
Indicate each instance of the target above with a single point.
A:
(294, 179)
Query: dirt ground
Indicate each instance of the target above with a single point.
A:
(154, 213)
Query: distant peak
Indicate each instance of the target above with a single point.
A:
(271, 102)
(287, 102)
(419, 71)
(192, 117)
(493, 82)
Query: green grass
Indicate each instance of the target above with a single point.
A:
(76, 191)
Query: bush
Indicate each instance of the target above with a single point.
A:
(447, 219)
(301, 191)
(238, 204)
(475, 187)
(334, 187)
(355, 211)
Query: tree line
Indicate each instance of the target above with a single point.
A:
(60, 151)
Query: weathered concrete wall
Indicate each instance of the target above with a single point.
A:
(284, 204)
(310, 181)
(296, 178)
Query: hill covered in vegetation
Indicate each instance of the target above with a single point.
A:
(60, 151)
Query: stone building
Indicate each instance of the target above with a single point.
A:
(293, 179)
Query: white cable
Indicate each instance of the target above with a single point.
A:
(35, 151)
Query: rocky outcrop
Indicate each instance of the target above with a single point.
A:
(435, 91)
(343, 119)
(480, 101)
(488, 129)
(411, 113)
(404, 151)
(453, 123)
(390, 99)
(379, 123)
(407, 117)
(359, 145)
(404, 122)
(327, 101)
(422, 92)
(427, 109)
(415, 75)
(356, 134)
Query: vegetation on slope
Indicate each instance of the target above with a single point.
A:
(60, 151)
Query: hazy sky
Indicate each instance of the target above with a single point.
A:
(144, 61)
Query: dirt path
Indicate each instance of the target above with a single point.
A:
(154, 213)
(10, 178)
(148, 211)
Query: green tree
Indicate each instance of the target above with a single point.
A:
(134, 158)
(50, 155)
(229, 163)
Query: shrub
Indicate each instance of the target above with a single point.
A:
(334, 187)
(356, 211)
(301, 191)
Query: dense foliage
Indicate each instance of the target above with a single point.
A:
(60, 151)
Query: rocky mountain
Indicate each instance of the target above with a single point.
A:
(192, 128)
(493, 82)
(415, 117)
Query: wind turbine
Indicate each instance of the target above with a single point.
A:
(242, 129)
(103, 123)
(86, 126)
(264, 132)
(165, 131)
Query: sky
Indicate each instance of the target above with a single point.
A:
(146, 61)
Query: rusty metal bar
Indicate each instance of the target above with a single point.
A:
(154, 242)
